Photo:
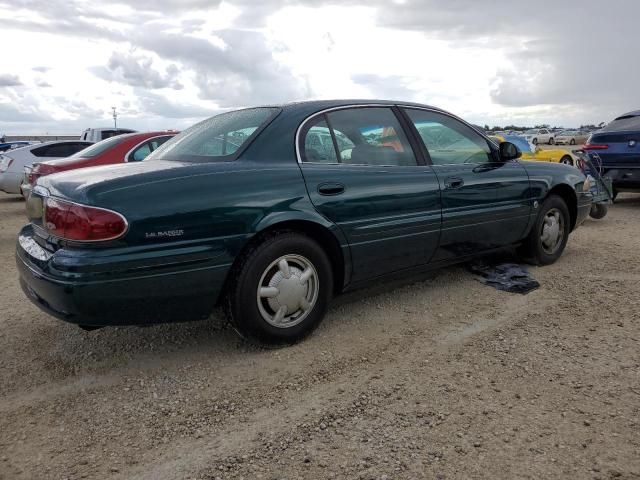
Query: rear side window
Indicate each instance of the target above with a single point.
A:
(100, 147)
(216, 139)
(143, 151)
(58, 150)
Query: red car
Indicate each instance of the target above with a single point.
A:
(132, 147)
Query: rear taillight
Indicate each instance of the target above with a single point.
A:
(595, 146)
(81, 223)
(40, 170)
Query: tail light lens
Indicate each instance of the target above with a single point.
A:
(595, 146)
(39, 170)
(82, 223)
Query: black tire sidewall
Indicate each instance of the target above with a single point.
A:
(242, 303)
(542, 257)
(534, 242)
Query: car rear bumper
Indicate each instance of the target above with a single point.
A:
(624, 177)
(10, 182)
(176, 291)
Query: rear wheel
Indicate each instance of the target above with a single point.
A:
(280, 290)
(548, 237)
(567, 160)
(572, 141)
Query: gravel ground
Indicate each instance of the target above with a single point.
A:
(437, 377)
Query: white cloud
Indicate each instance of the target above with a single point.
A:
(502, 62)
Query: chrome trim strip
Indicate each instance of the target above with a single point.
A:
(387, 105)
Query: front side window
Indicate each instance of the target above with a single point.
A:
(217, 138)
(363, 136)
(448, 140)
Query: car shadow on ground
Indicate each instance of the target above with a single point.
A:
(11, 199)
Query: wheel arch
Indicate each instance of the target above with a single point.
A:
(568, 194)
(327, 235)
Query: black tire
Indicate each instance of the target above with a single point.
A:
(550, 140)
(572, 141)
(567, 160)
(242, 306)
(614, 195)
(598, 210)
(534, 141)
(532, 249)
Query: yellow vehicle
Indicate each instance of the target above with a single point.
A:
(534, 152)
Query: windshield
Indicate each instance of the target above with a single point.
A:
(99, 148)
(215, 139)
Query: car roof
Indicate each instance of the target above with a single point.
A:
(316, 105)
(626, 122)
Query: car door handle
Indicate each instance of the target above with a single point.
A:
(453, 182)
(331, 189)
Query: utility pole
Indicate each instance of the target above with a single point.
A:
(115, 116)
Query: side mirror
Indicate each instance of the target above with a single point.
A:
(509, 151)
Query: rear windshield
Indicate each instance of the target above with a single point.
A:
(99, 148)
(215, 139)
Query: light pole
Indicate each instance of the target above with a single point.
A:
(115, 116)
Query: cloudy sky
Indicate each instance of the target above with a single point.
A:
(170, 63)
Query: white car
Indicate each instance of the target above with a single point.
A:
(539, 135)
(13, 162)
(97, 134)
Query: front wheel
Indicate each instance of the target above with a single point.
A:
(598, 211)
(550, 140)
(534, 141)
(567, 160)
(548, 237)
(572, 142)
(279, 292)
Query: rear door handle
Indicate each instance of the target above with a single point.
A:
(453, 182)
(330, 189)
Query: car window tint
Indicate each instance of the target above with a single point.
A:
(141, 152)
(156, 142)
(448, 140)
(370, 136)
(318, 144)
(217, 138)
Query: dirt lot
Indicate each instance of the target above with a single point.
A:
(438, 378)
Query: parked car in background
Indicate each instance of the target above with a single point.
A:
(98, 134)
(243, 210)
(539, 135)
(534, 152)
(13, 145)
(618, 146)
(13, 162)
(130, 147)
(570, 137)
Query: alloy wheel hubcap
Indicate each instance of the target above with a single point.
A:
(288, 291)
(552, 231)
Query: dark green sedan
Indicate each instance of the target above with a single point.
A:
(271, 211)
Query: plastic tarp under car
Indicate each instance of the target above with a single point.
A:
(508, 277)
